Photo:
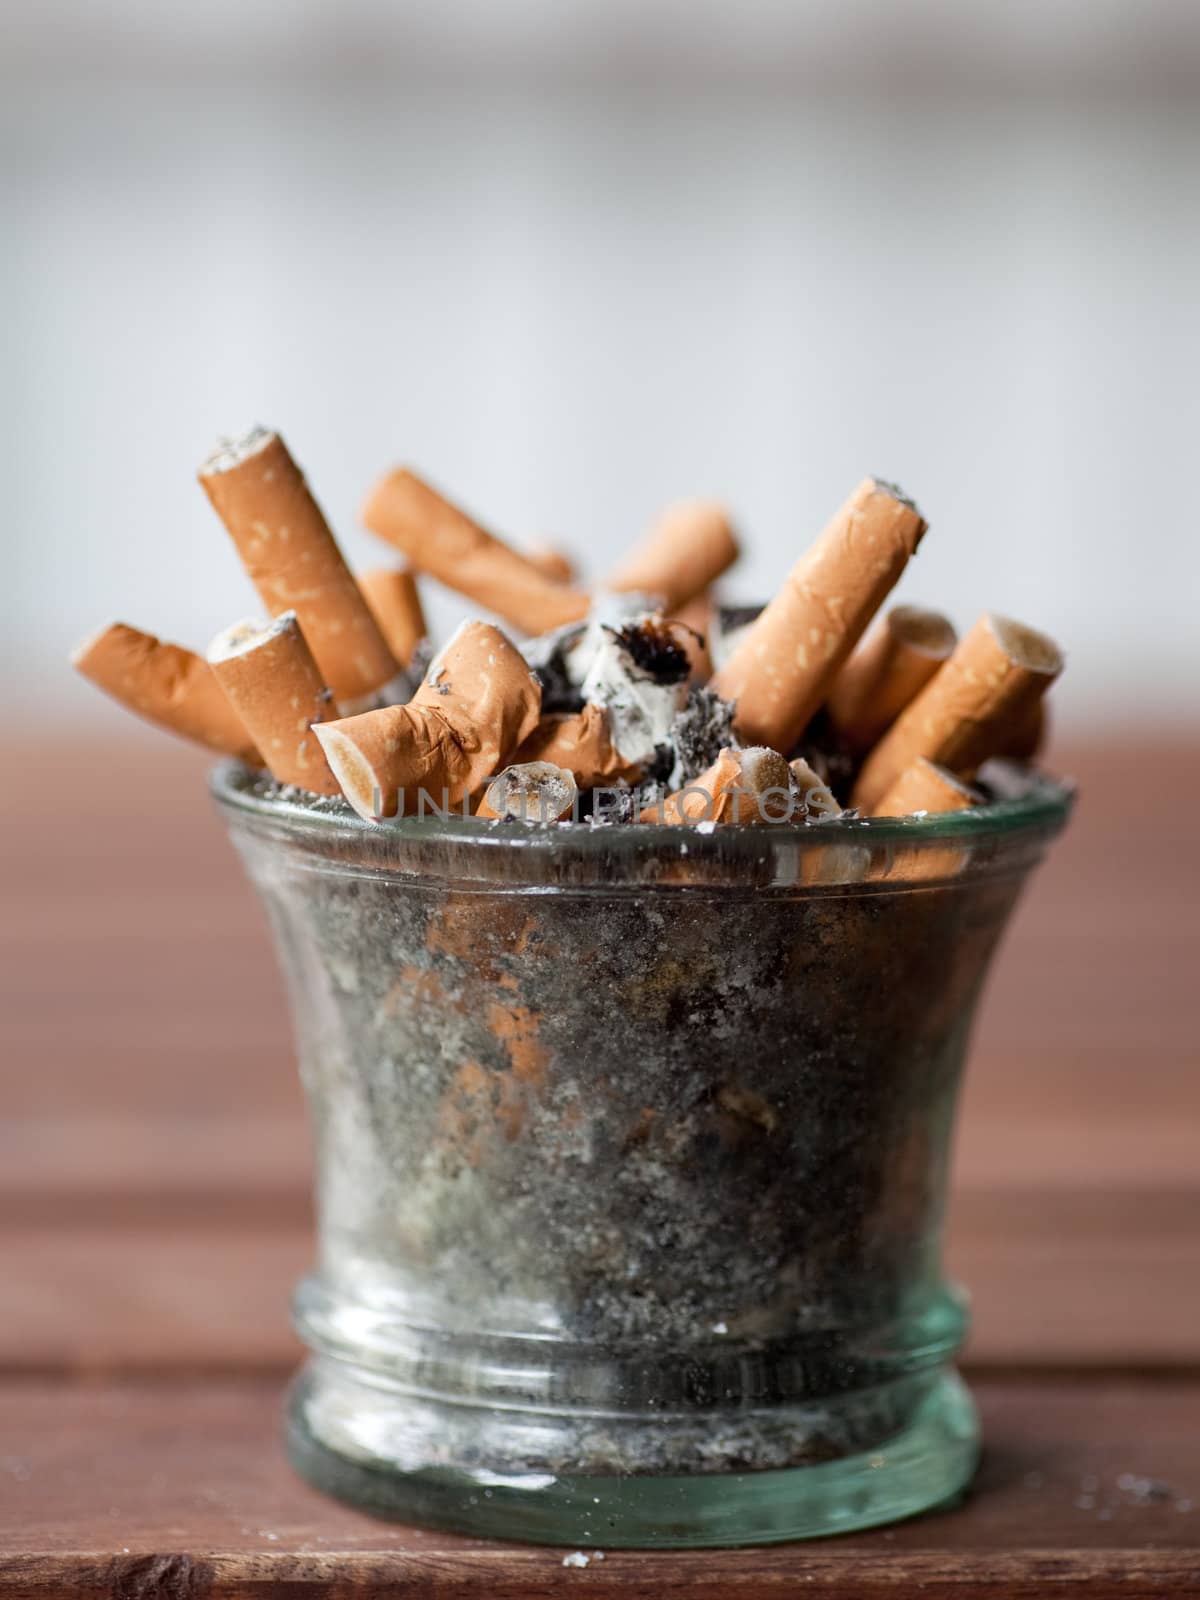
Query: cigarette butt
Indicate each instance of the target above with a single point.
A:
(923, 786)
(294, 562)
(747, 786)
(478, 702)
(689, 545)
(829, 863)
(697, 618)
(391, 593)
(697, 614)
(440, 539)
(786, 661)
(695, 646)
(991, 681)
(530, 791)
(816, 797)
(172, 687)
(581, 743)
(892, 665)
(271, 680)
(551, 562)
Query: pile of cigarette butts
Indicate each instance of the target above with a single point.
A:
(638, 699)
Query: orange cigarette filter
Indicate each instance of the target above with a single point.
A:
(697, 613)
(748, 786)
(688, 547)
(787, 659)
(926, 787)
(172, 687)
(391, 593)
(697, 618)
(551, 562)
(478, 702)
(294, 562)
(923, 788)
(892, 665)
(582, 744)
(438, 538)
(269, 676)
(814, 794)
(994, 678)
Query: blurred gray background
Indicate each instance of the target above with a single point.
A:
(575, 260)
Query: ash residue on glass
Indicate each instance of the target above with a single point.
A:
(687, 1151)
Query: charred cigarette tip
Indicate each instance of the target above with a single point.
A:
(230, 452)
(290, 554)
(240, 637)
(269, 676)
(895, 492)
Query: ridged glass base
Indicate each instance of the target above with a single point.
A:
(927, 1462)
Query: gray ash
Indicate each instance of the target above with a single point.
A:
(653, 647)
(421, 661)
(559, 694)
(896, 492)
(547, 658)
(601, 808)
(701, 731)
(663, 767)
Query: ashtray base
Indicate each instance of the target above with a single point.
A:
(926, 1464)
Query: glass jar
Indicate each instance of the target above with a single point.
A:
(631, 1149)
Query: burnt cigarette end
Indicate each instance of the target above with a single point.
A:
(269, 676)
(231, 452)
(895, 492)
(654, 646)
(247, 634)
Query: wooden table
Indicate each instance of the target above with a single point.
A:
(153, 1165)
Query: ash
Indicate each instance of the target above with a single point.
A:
(654, 650)
(231, 452)
(701, 731)
(549, 658)
(604, 1124)
(602, 808)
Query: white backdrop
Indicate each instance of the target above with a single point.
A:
(571, 271)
